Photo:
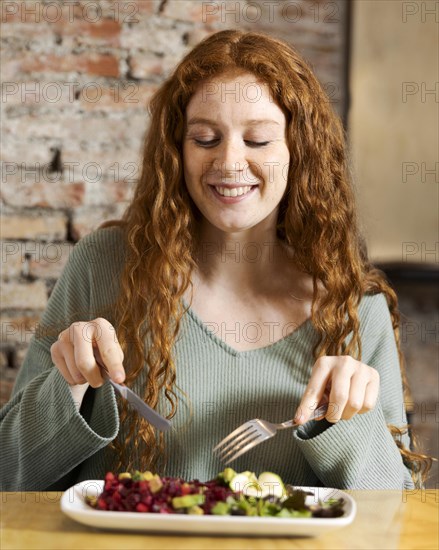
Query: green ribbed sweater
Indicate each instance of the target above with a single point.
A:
(47, 444)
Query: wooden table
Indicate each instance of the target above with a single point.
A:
(385, 520)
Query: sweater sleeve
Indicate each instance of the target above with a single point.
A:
(361, 453)
(44, 436)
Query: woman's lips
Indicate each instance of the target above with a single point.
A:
(249, 190)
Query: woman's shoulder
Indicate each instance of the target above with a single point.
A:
(104, 242)
(374, 315)
(376, 300)
(373, 304)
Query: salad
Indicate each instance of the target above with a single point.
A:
(230, 493)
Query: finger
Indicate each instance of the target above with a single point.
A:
(108, 351)
(340, 390)
(357, 392)
(84, 335)
(324, 401)
(314, 391)
(86, 364)
(371, 393)
(60, 364)
(62, 367)
(68, 353)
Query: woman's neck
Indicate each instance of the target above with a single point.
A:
(246, 261)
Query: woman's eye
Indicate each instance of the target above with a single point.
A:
(215, 141)
(204, 143)
(257, 143)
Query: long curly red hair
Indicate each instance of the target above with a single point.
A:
(317, 218)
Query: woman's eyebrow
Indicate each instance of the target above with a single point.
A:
(253, 122)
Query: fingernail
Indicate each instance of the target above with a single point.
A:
(119, 377)
(299, 418)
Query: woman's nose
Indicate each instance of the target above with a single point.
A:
(230, 157)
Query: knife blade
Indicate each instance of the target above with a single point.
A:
(145, 411)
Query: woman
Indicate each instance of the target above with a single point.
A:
(238, 287)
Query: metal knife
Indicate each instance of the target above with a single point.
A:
(148, 413)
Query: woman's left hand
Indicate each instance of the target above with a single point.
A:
(347, 385)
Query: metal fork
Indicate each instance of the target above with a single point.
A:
(251, 433)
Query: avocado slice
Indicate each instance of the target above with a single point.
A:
(187, 501)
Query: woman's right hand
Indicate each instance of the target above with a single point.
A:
(75, 352)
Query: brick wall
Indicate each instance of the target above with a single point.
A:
(76, 78)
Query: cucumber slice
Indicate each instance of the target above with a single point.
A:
(271, 484)
(246, 483)
(267, 484)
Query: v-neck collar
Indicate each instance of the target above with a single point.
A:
(306, 325)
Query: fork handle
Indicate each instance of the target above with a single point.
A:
(318, 412)
(287, 424)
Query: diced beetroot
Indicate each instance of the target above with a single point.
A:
(143, 486)
(102, 505)
(185, 489)
(141, 507)
(127, 495)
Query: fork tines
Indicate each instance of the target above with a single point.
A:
(239, 441)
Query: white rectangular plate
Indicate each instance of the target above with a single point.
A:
(73, 504)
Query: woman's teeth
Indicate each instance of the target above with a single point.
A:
(233, 192)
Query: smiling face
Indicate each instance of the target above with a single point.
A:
(235, 153)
